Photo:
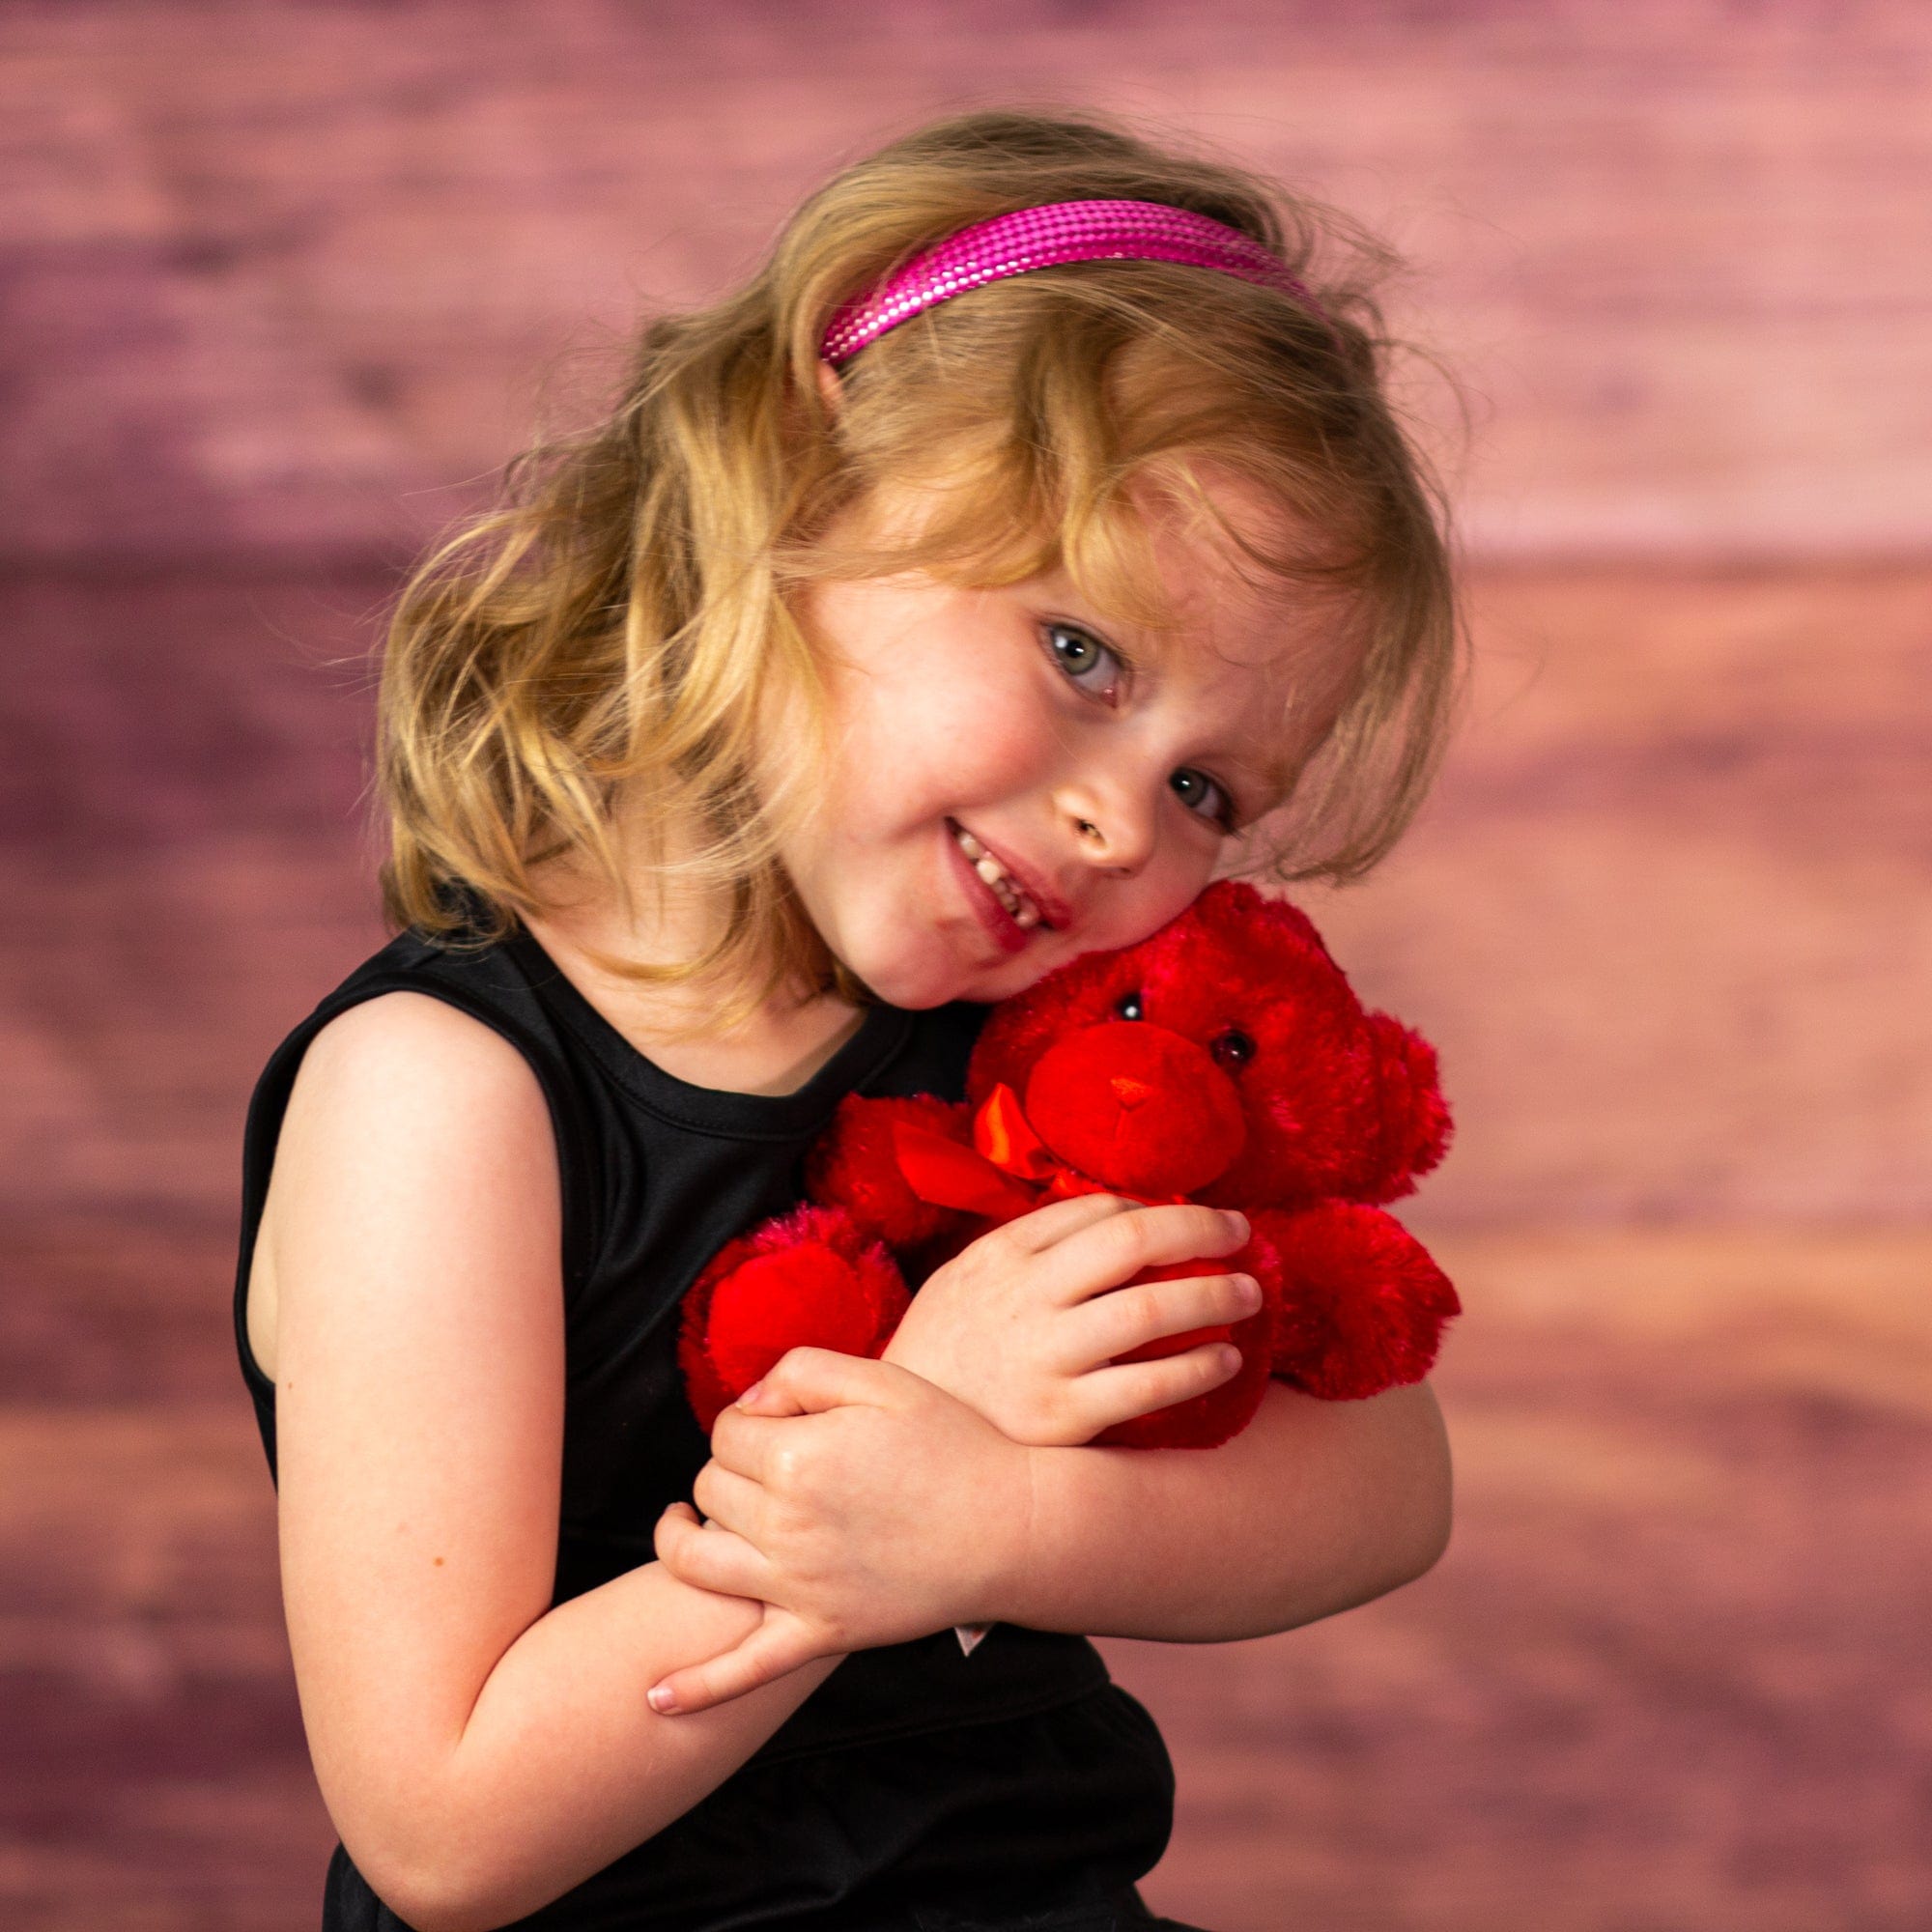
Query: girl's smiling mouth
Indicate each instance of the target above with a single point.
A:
(1011, 895)
(1008, 909)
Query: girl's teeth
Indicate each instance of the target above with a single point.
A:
(1021, 909)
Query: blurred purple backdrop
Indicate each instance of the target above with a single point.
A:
(281, 286)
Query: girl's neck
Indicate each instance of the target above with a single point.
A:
(775, 1051)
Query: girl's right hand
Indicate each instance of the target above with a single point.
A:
(1024, 1325)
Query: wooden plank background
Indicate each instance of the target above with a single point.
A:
(279, 285)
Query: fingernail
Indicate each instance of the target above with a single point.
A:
(1238, 1224)
(661, 1699)
(1230, 1359)
(1247, 1290)
(750, 1395)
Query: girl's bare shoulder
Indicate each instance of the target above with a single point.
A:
(413, 1135)
(370, 1073)
(403, 1106)
(402, 1044)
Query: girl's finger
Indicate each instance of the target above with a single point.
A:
(710, 1558)
(1045, 1226)
(1107, 1325)
(733, 1501)
(805, 1384)
(1103, 1256)
(780, 1644)
(1128, 1389)
(803, 1381)
(743, 1445)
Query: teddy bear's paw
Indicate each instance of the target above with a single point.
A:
(1358, 1304)
(855, 1165)
(810, 1279)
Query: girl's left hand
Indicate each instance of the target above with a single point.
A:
(859, 1503)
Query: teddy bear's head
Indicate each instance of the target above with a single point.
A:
(1225, 1057)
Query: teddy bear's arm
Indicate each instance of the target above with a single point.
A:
(854, 1165)
(1356, 1303)
(811, 1278)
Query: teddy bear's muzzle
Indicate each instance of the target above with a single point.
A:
(1137, 1107)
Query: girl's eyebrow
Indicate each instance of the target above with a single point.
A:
(1270, 779)
(1272, 774)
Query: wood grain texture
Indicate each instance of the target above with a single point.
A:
(278, 289)
(1667, 918)
(1667, 915)
(1667, 1675)
(282, 279)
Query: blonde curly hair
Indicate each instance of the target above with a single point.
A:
(615, 619)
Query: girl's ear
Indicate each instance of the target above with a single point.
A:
(828, 386)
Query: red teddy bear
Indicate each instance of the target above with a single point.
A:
(1223, 1060)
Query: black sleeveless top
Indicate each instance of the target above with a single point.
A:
(914, 1771)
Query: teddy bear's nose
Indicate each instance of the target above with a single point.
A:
(1137, 1108)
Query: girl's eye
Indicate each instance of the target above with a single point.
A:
(1099, 669)
(1204, 795)
(1093, 665)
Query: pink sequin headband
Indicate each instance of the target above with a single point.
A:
(1036, 238)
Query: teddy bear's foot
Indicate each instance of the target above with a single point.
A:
(1358, 1304)
(810, 1279)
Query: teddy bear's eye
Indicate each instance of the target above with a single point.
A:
(1234, 1048)
(1129, 1006)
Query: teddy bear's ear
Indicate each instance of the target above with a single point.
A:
(1237, 908)
(1416, 1124)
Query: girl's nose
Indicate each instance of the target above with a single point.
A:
(1108, 831)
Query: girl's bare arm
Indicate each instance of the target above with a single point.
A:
(478, 1752)
(1314, 1508)
(854, 1493)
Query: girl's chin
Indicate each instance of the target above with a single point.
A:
(939, 974)
(900, 983)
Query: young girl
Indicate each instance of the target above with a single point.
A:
(959, 596)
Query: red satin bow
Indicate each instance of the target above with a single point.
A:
(1008, 1171)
